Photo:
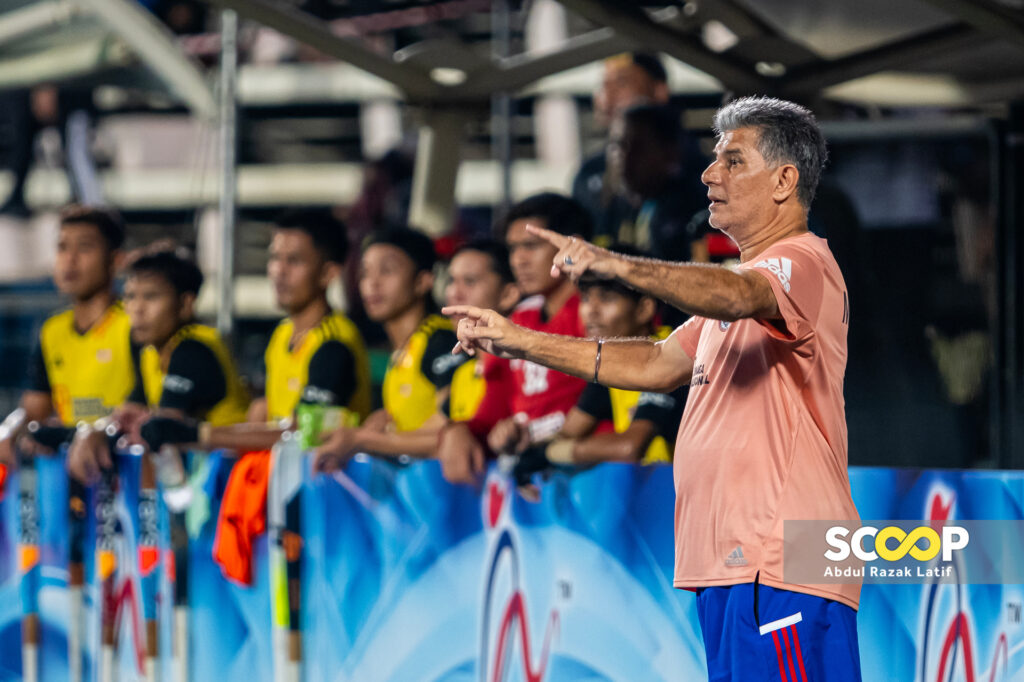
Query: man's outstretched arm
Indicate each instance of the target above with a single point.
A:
(632, 364)
(701, 289)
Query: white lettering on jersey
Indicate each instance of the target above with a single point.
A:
(782, 268)
(535, 378)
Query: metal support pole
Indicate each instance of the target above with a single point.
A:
(229, 180)
(501, 104)
(437, 165)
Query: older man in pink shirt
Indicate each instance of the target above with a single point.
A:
(763, 437)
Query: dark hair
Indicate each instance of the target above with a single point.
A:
(787, 133)
(651, 64)
(329, 234)
(660, 121)
(592, 282)
(106, 220)
(182, 274)
(559, 213)
(497, 252)
(418, 246)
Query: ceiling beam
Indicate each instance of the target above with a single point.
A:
(152, 42)
(416, 83)
(629, 21)
(517, 72)
(894, 56)
(987, 16)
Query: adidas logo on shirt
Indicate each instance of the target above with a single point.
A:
(780, 267)
(736, 558)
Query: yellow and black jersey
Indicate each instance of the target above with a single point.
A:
(87, 374)
(418, 370)
(467, 391)
(622, 408)
(327, 366)
(194, 374)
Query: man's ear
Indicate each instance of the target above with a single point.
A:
(187, 303)
(646, 308)
(118, 260)
(508, 297)
(423, 285)
(329, 271)
(786, 185)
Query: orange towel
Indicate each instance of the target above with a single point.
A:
(243, 516)
(3, 480)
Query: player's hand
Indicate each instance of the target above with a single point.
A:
(531, 461)
(128, 418)
(335, 452)
(88, 455)
(486, 330)
(8, 457)
(378, 421)
(157, 432)
(461, 455)
(577, 257)
(509, 436)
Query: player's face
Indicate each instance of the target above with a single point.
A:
(607, 313)
(296, 270)
(472, 281)
(154, 308)
(84, 263)
(531, 258)
(740, 184)
(387, 282)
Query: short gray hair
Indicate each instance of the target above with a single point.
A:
(787, 133)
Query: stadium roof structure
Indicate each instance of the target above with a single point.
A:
(958, 53)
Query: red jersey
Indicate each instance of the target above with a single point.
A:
(545, 395)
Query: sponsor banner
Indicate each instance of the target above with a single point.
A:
(401, 576)
(409, 578)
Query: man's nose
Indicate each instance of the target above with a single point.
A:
(710, 175)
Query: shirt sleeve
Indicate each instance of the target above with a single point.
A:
(439, 364)
(796, 277)
(687, 335)
(38, 379)
(665, 410)
(195, 380)
(596, 402)
(138, 394)
(332, 376)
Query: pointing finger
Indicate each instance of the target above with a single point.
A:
(558, 240)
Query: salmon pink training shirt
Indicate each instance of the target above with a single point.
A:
(763, 436)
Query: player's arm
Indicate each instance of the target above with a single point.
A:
(36, 404)
(194, 383)
(632, 364)
(438, 365)
(710, 291)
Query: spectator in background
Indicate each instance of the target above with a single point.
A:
(628, 79)
(382, 201)
(644, 424)
(526, 402)
(315, 356)
(663, 187)
(396, 281)
(68, 111)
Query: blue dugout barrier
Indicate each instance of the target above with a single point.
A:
(403, 577)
